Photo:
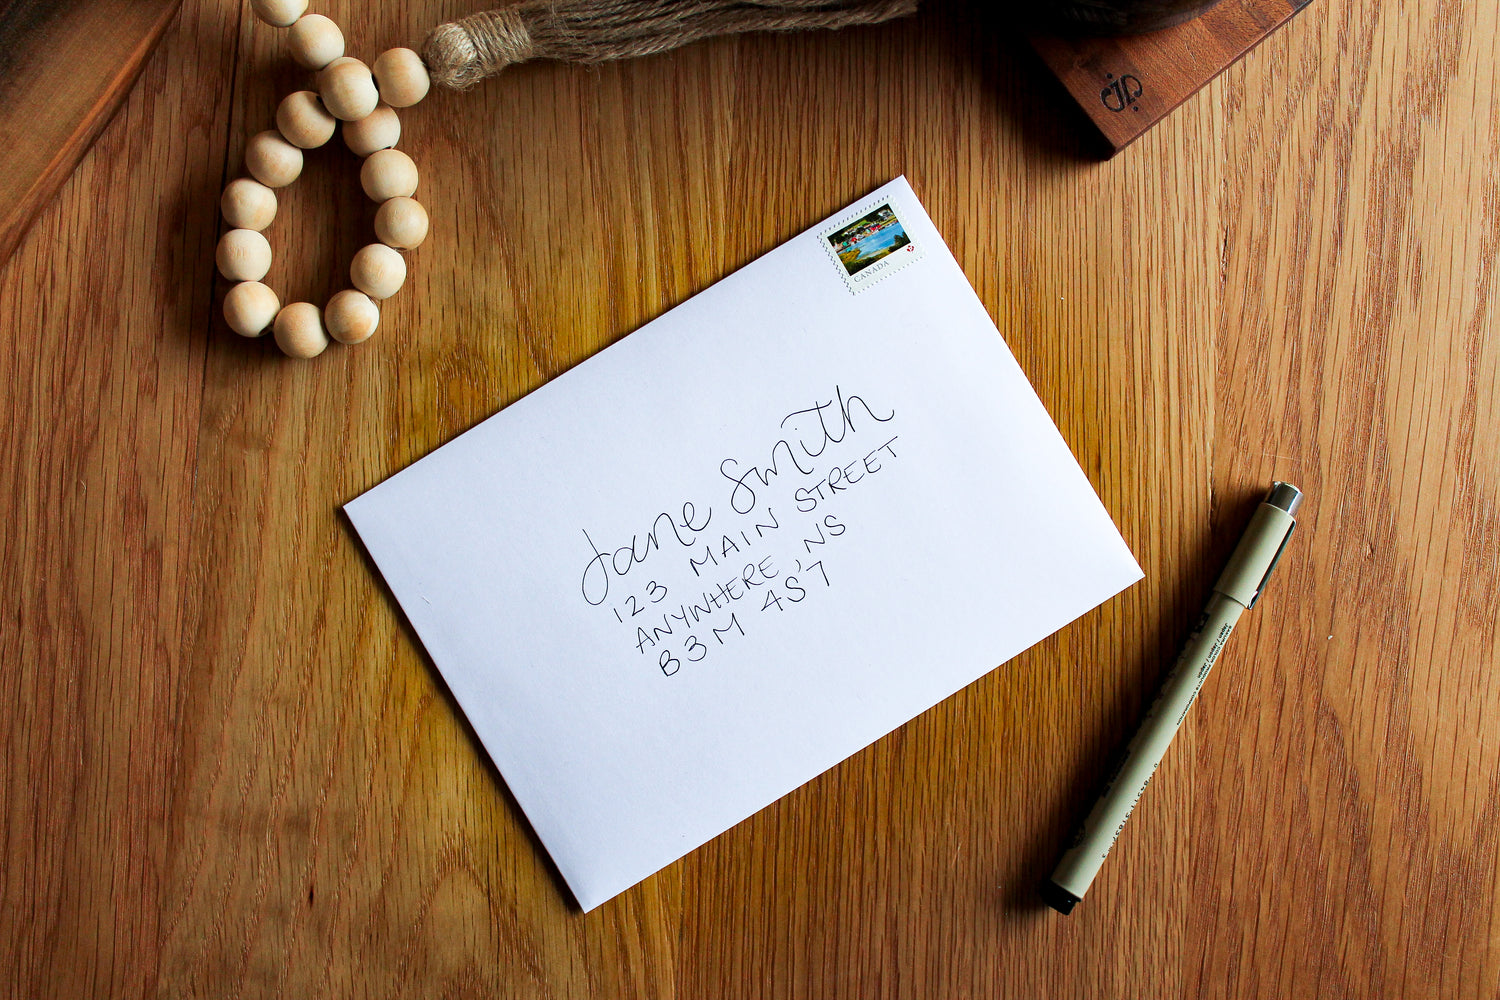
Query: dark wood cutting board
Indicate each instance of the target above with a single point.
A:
(65, 66)
(1126, 84)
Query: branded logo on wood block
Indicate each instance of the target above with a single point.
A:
(1120, 94)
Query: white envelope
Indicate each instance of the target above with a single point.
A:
(742, 543)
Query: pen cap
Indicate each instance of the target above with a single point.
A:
(1261, 545)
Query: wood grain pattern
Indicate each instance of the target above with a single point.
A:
(64, 69)
(229, 770)
(1125, 84)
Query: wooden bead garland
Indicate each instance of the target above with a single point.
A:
(380, 129)
(401, 223)
(388, 173)
(378, 271)
(299, 330)
(351, 316)
(243, 255)
(279, 13)
(250, 308)
(248, 204)
(402, 77)
(348, 89)
(363, 100)
(455, 55)
(315, 41)
(303, 121)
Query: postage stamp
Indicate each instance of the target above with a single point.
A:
(870, 246)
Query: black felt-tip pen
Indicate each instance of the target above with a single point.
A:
(1235, 593)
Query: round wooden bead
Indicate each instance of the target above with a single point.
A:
(299, 330)
(303, 121)
(248, 204)
(401, 223)
(380, 129)
(278, 13)
(250, 308)
(315, 41)
(351, 316)
(378, 271)
(243, 255)
(348, 89)
(272, 160)
(401, 77)
(388, 173)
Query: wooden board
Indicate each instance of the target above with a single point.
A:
(229, 772)
(1127, 83)
(65, 66)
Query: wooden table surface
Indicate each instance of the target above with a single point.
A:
(229, 771)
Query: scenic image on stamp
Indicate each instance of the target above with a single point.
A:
(868, 239)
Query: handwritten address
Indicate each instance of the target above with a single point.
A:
(690, 583)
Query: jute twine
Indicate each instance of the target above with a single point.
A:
(462, 53)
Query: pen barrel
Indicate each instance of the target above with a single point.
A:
(1256, 554)
(1136, 766)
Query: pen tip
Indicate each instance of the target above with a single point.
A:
(1057, 897)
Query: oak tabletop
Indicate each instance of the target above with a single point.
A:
(229, 770)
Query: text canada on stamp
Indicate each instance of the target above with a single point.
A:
(870, 246)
